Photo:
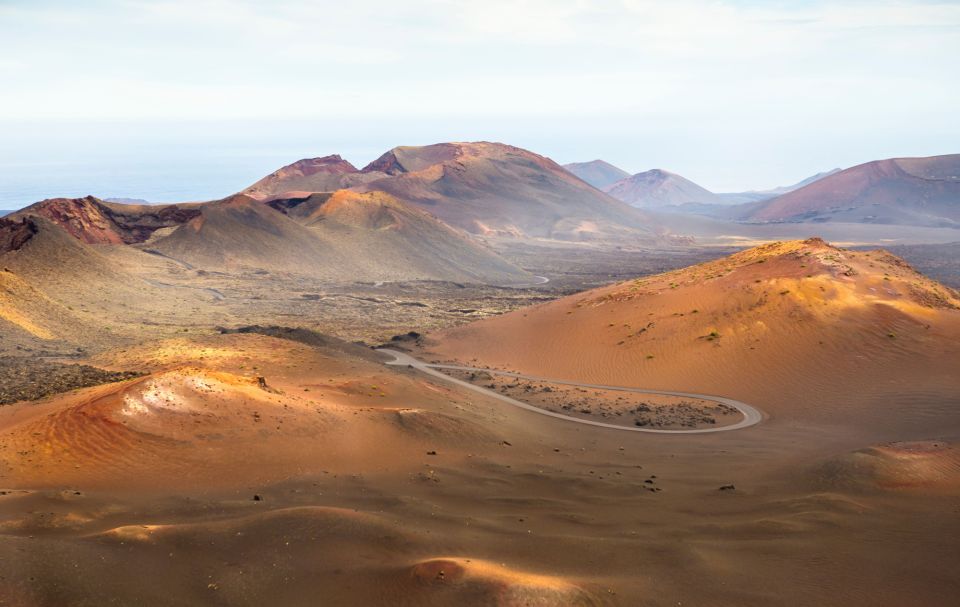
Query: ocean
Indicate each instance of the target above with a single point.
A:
(176, 162)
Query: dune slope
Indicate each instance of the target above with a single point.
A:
(799, 329)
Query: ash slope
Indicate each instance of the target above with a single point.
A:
(56, 290)
(346, 237)
(400, 239)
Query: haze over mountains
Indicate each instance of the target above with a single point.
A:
(758, 195)
(598, 173)
(899, 191)
(658, 189)
(922, 192)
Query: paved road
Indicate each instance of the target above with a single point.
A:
(751, 415)
(537, 281)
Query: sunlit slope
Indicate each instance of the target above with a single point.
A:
(792, 325)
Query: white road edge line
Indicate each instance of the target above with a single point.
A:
(751, 415)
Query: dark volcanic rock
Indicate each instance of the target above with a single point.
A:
(14, 234)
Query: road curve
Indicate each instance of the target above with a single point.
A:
(538, 280)
(751, 415)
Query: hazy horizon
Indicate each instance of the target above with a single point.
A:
(184, 100)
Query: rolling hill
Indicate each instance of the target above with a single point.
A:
(900, 191)
(657, 188)
(598, 173)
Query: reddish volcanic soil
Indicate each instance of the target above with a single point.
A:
(804, 330)
(243, 469)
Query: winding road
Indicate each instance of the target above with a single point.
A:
(751, 415)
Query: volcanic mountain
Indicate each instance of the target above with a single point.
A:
(354, 237)
(598, 173)
(789, 325)
(95, 221)
(325, 174)
(658, 188)
(343, 237)
(901, 191)
(494, 189)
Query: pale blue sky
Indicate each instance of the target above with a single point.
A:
(213, 93)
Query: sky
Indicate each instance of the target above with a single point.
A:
(192, 99)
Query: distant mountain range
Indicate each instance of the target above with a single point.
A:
(412, 214)
(427, 213)
(897, 191)
(663, 190)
